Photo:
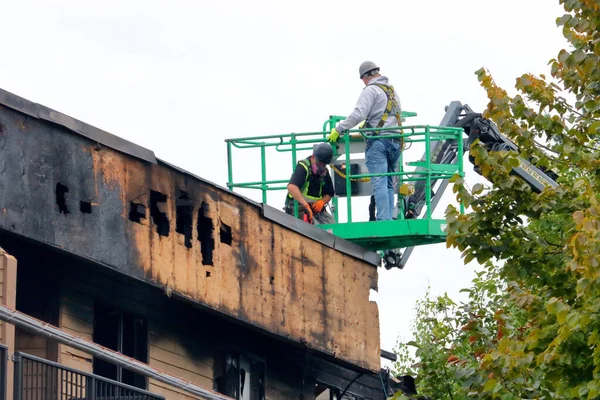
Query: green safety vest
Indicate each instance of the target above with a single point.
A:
(391, 104)
(309, 176)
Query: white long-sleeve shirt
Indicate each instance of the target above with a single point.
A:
(371, 106)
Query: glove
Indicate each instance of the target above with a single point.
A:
(309, 213)
(318, 206)
(362, 125)
(333, 136)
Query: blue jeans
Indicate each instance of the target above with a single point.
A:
(382, 156)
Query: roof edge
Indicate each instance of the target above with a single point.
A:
(97, 135)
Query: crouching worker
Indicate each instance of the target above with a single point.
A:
(311, 186)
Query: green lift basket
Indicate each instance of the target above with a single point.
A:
(351, 179)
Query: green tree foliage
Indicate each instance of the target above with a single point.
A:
(531, 326)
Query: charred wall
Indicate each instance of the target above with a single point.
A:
(191, 238)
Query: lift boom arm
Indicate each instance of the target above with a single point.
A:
(476, 127)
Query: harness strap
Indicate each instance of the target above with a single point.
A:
(391, 104)
(304, 189)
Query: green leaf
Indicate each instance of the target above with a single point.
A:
(579, 55)
(561, 316)
(469, 257)
(563, 55)
(583, 390)
(477, 189)
(579, 184)
(514, 162)
(563, 20)
(594, 128)
(572, 319)
(480, 74)
(490, 385)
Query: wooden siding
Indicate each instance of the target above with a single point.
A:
(76, 316)
(29, 343)
(8, 298)
(171, 346)
(178, 354)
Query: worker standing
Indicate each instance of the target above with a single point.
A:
(312, 187)
(379, 106)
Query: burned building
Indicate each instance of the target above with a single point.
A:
(128, 255)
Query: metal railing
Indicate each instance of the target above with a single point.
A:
(45, 329)
(40, 379)
(294, 142)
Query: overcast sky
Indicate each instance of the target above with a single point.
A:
(179, 77)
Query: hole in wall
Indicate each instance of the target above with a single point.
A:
(137, 211)
(205, 235)
(183, 220)
(208, 274)
(159, 218)
(61, 198)
(271, 279)
(225, 233)
(85, 207)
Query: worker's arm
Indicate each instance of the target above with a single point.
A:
(295, 192)
(328, 189)
(297, 179)
(297, 195)
(361, 111)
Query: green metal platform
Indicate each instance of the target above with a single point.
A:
(373, 235)
(394, 234)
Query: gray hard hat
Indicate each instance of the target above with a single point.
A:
(367, 66)
(323, 152)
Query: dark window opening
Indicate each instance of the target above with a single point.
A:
(240, 377)
(137, 211)
(225, 233)
(205, 235)
(325, 392)
(158, 217)
(208, 274)
(124, 333)
(183, 222)
(85, 207)
(61, 198)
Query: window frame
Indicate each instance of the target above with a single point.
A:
(238, 356)
(120, 335)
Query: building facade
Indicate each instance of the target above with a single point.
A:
(129, 252)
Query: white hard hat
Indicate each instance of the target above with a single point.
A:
(366, 66)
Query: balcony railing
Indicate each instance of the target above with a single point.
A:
(3, 368)
(39, 379)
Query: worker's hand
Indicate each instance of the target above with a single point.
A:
(318, 206)
(333, 136)
(309, 213)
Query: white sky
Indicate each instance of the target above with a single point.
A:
(179, 77)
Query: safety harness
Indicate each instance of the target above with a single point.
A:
(309, 177)
(392, 103)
